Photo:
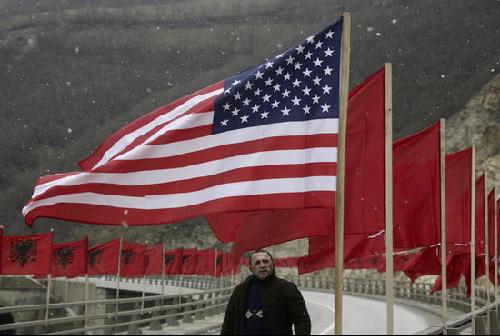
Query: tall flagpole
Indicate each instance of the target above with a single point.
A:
(496, 246)
(163, 274)
(444, 293)
(389, 242)
(487, 255)
(473, 241)
(339, 199)
(49, 284)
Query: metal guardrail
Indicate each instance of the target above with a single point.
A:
(418, 293)
(101, 316)
(152, 310)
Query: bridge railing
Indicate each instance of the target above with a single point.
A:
(419, 294)
(109, 316)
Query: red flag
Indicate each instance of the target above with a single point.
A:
(228, 262)
(267, 228)
(416, 188)
(368, 262)
(69, 259)
(480, 271)
(153, 260)
(400, 261)
(132, 260)
(188, 262)
(491, 222)
(417, 214)
(365, 157)
(236, 145)
(173, 261)
(480, 214)
(322, 252)
(245, 261)
(458, 197)
(1, 247)
(365, 176)
(320, 259)
(202, 262)
(208, 258)
(27, 255)
(498, 220)
(425, 262)
(103, 259)
(456, 266)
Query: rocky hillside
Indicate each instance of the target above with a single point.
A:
(479, 123)
(74, 71)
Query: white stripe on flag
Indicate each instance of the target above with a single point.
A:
(310, 127)
(259, 187)
(130, 137)
(270, 158)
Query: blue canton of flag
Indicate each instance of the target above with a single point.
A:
(300, 84)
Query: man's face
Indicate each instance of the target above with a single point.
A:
(261, 266)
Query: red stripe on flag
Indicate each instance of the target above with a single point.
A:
(194, 184)
(221, 152)
(97, 214)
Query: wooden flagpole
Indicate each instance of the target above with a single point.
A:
(496, 245)
(49, 284)
(163, 274)
(215, 277)
(66, 289)
(143, 285)
(487, 256)
(473, 241)
(389, 242)
(118, 276)
(444, 293)
(339, 191)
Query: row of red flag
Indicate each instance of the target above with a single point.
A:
(38, 255)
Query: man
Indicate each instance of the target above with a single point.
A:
(264, 304)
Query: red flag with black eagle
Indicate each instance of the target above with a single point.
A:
(103, 259)
(132, 260)
(173, 261)
(27, 255)
(69, 259)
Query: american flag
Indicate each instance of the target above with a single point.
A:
(263, 139)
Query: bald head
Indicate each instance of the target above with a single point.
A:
(261, 264)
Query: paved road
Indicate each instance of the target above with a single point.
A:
(364, 316)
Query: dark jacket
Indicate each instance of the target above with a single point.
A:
(284, 306)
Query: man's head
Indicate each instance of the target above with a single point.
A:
(261, 264)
